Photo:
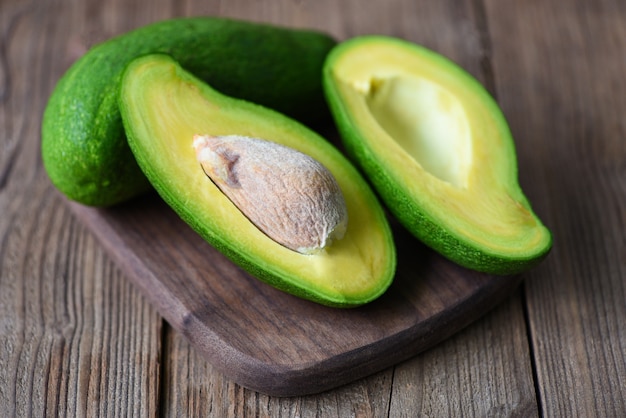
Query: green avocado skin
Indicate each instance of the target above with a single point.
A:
(413, 217)
(84, 148)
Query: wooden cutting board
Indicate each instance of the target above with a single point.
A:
(273, 342)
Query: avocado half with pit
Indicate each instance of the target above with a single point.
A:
(164, 107)
(438, 150)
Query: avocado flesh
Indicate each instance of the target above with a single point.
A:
(163, 106)
(438, 150)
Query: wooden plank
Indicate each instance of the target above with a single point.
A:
(75, 338)
(482, 371)
(192, 387)
(560, 76)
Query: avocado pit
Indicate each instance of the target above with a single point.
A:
(289, 196)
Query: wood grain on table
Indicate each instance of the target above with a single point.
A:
(77, 339)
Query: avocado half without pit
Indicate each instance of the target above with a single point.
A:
(438, 150)
(208, 156)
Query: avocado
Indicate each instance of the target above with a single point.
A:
(84, 148)
(438, 150)
(168, 114)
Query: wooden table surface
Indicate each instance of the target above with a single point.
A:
(77, 339)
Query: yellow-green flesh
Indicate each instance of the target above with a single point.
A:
(166, 107)
(442, 140)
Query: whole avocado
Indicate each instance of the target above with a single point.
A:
(84, 148)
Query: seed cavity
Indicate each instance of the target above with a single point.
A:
(428, 122)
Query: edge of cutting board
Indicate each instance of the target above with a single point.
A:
(270, 341)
